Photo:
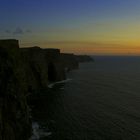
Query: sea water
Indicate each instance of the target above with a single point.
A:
(100, 102)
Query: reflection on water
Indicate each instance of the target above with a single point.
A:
(101, 102)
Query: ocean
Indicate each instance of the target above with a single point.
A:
(99, 101)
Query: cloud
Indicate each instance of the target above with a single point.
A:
(18, 31)
(7, 31)
(28, 31)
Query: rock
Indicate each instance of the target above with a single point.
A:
(84, 58)
(13, 93)
(24, 72)
(69, 61)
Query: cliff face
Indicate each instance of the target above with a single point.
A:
(69, 61)
(84, 58)
(14, 113)
(44, 66)
(24, 71)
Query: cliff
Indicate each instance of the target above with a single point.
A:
(24, 71)
(69, 61)
(84, 58)
(14, 113)
(43, 65)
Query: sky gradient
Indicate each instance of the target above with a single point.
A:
(102, 27)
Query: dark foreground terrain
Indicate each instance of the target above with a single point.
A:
(23, 72)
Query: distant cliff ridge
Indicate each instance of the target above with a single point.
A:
(84, 58)
(69, 61)
(24, 71)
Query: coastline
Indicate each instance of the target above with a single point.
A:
(26, 71)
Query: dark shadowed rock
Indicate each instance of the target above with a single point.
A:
(14, 114)
(9, 43)
(24, 72)
(44, 64)
(69, 61)
(84, 58)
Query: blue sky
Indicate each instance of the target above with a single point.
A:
(36, 22)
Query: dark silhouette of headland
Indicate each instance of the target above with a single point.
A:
(23, 71)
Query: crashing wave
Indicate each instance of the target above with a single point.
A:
(59, 82)
(38, 132)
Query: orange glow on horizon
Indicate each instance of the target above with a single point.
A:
(91, 48)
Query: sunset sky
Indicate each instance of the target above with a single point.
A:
(102, 27)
